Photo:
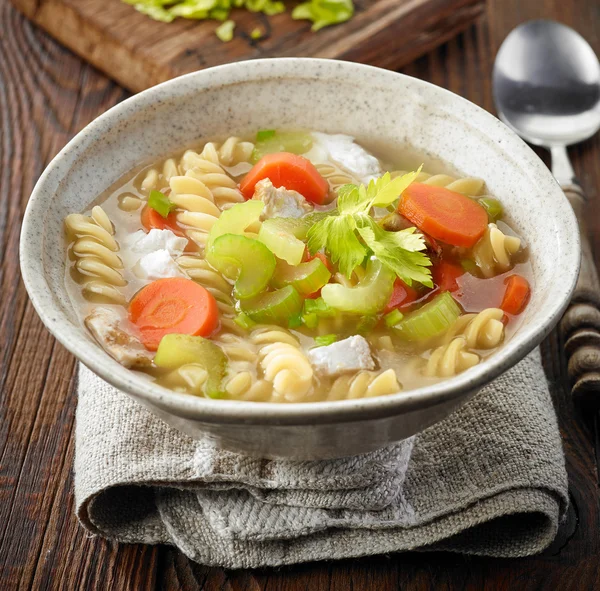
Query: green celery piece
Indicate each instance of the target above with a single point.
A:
(244, 321)
(324, 13)
(160, 203)
(225, 31)
(314, 310)
(282, 244)
(296, 142)
(324, 340)
(370, 295)
(176, 350)
(470, 266)
(295, 321)
(275, 306)
(236, 219)
(492, 206)
(264, 134)
(431, 320)
(307, 277)
(244, 259)
(366, 324)
(393, 318)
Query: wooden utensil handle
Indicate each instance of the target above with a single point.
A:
(581, 323)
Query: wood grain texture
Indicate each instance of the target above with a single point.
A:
(581, 323)
(47, 95)
(139, 52)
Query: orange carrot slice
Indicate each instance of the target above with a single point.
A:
(173, 305)
(443, 214)
(516, 295)
(290, 171)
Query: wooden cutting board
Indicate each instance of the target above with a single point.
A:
(139, 52)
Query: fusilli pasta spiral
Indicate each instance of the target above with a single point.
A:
(484, 330)
(283, 363)
(335, 176)
(494, 251)
(197, 202)
(96, 251)
(364, 384)
(467, 186)
(451, 359)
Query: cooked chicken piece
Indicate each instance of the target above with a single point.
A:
(280, 203)
(351, 354)
(104, 323)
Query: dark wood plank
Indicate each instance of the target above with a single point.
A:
(47, 95)
(139, 52)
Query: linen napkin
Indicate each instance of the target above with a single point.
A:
(488, 480)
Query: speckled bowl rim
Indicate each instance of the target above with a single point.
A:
(240, 412)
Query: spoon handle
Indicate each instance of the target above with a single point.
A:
(581, 323)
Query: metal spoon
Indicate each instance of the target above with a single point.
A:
(547, 88)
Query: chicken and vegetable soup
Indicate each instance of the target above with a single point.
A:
(293, 267)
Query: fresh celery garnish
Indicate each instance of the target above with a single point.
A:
(431, 320)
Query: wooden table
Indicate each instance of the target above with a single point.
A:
(46, 96)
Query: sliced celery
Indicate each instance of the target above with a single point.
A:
(275, 306)
(324, 340)
(393, 318)
(431, 320)
(370, 295)
(244, 259)
(492, 206)
(244, 321)
(160, 203)
(366, 324)
(265, 134)
(307, 278)
(281, 243)
(176, 350)
(295, 321)
(296, 142)
(314, 310)
(469, 266)
(236, 219)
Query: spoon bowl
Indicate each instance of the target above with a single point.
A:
(547, 84)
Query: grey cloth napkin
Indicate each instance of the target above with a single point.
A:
(488, 480)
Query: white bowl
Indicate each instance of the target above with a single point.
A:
(329, 96)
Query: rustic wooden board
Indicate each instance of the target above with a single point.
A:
(138, 52)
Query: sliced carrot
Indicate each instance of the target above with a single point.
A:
(173, 305)
(443, 214)
(445, 274)
(151, 220)
(290, 171)
(402, 296)
(516, 294)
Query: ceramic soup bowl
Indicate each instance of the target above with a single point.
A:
(337, 97)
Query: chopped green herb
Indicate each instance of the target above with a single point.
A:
(339, 233)
(160, 203)
(324, 340)
(225, 31)
(393, 318)
(256, 33)
(264, 134)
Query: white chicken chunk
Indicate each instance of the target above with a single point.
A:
(280, 203)
(351, 354)
(145, 243)
(104, 324)
(157, 265)
(349, 155)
